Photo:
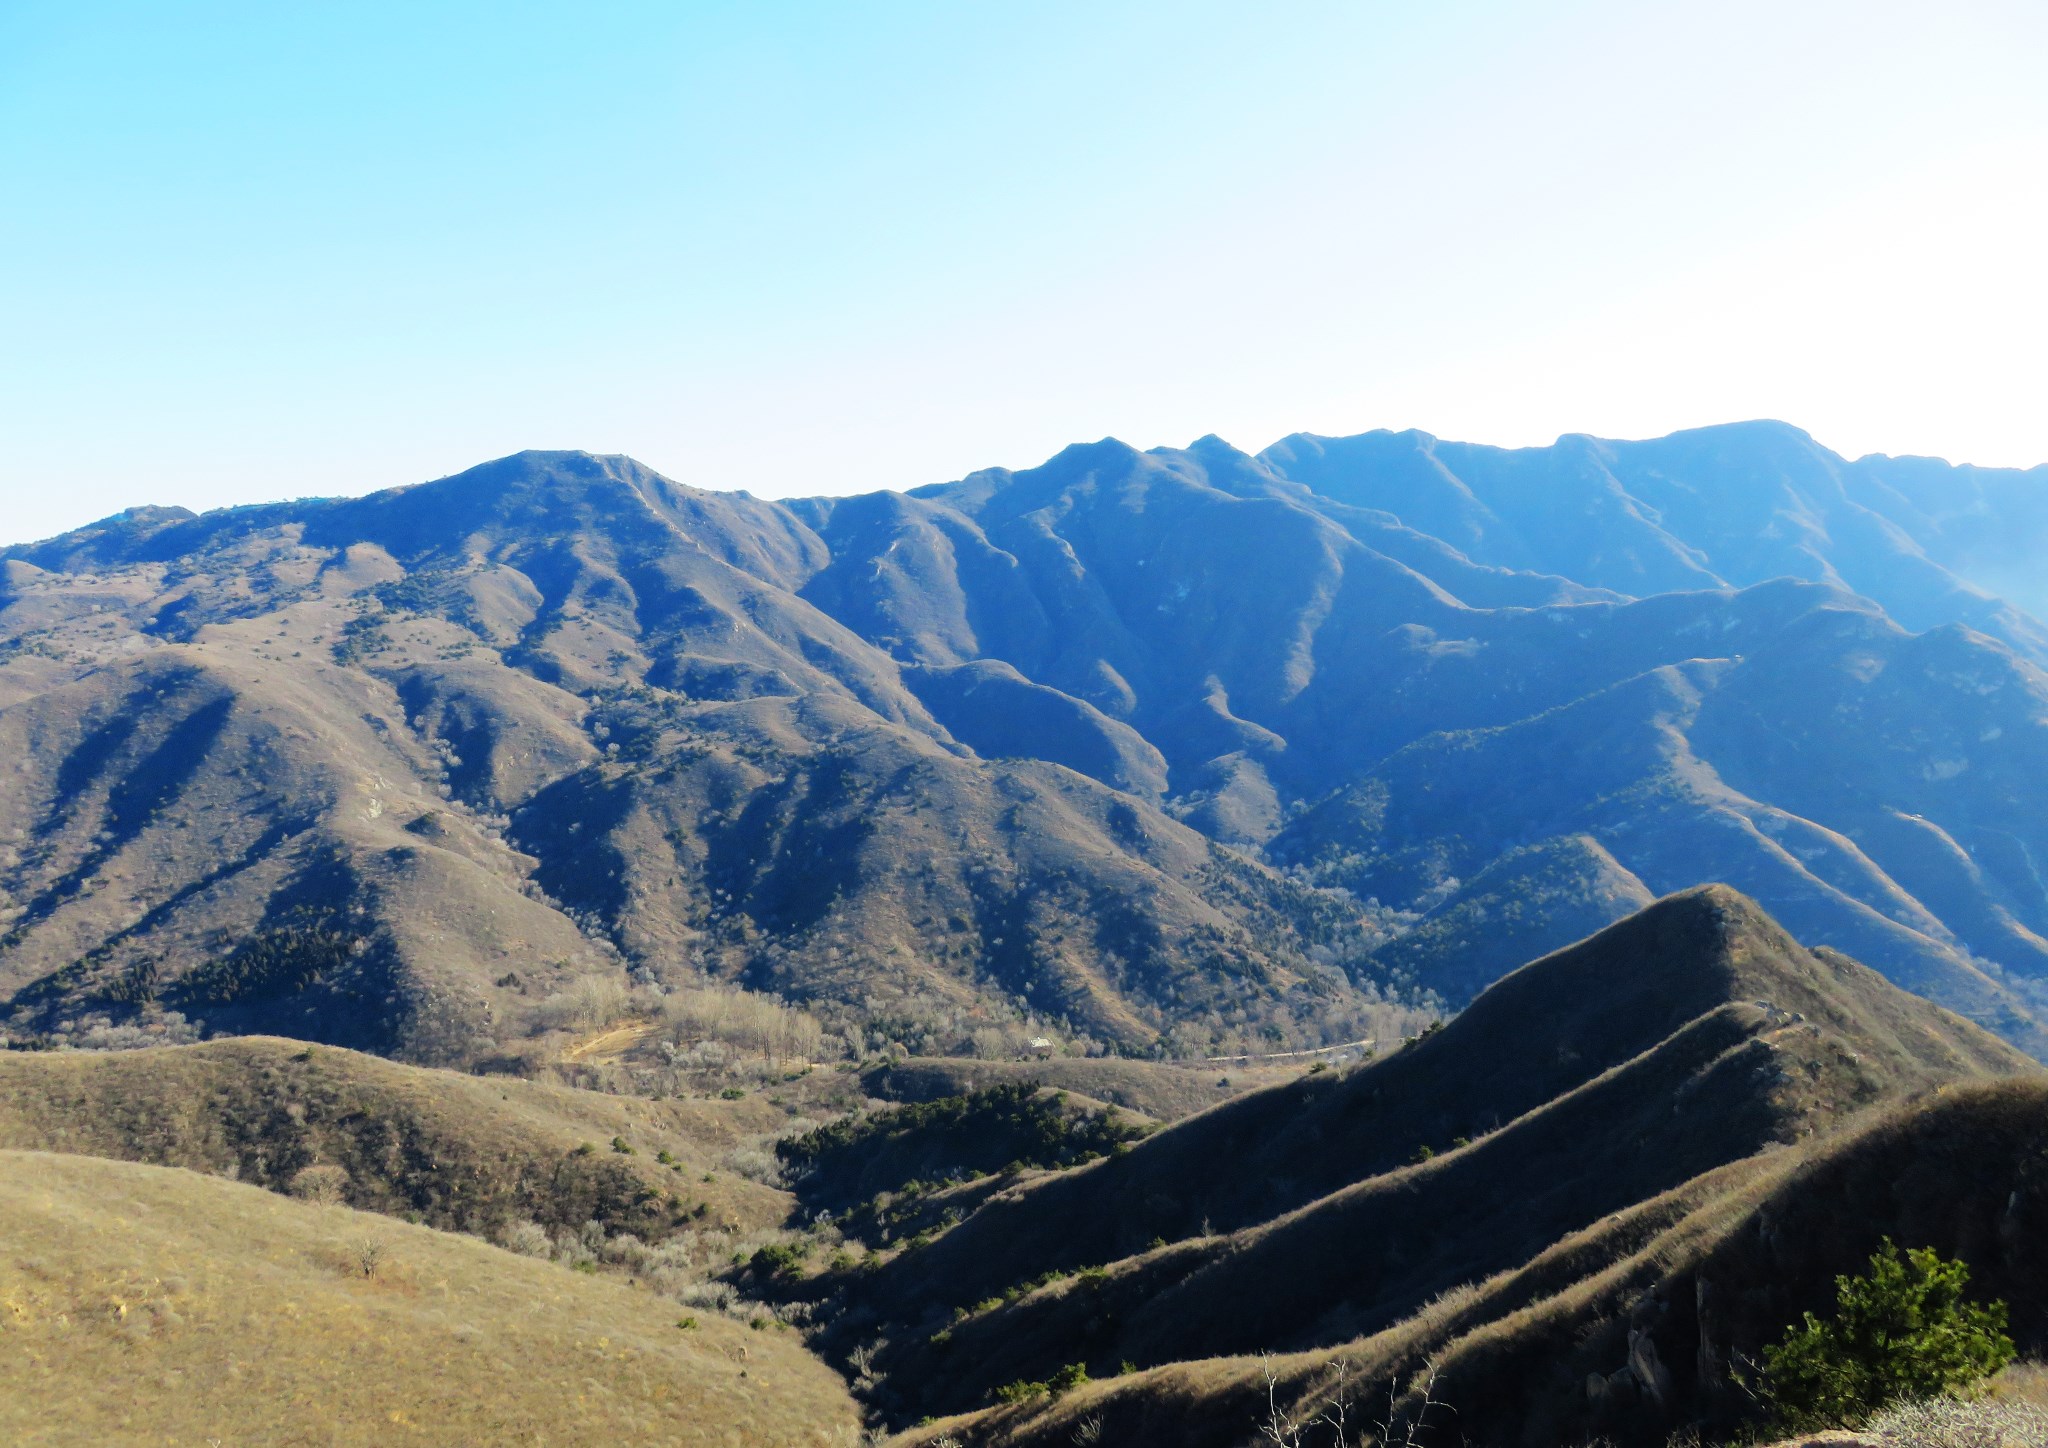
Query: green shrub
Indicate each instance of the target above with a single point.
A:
(916, 1149)
(1022, 1391)
(779, 1259)
(1069, 1377)
(1901, 1331)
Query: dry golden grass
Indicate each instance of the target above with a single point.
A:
(462, 1152)
(2010, 1412)
(141, 1304)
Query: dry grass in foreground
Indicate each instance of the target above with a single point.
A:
(2011, 1412)
(142, 1304)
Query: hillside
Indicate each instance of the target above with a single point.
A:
(1185, 750)
(1690, 1037)
(1627, 1330)
(1623, 1165)
(390, 773)
(1512, 911)
(461, 1153)
(152, 1305)
(1158, 1090)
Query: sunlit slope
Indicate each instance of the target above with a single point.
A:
(142, 1304)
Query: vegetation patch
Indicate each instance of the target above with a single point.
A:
(1013, 1125)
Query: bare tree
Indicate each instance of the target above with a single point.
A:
(1399, 1432)
(367, 1256)
(1282, 1429)
(1279, 1429)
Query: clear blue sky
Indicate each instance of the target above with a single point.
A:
(264, 250)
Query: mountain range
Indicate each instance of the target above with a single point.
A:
(1188, 750)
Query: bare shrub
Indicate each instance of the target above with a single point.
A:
(755, 1164)
(715, 1296)
(102, 1033)
(742, 1020)
(528, 1239)
(590, 1003)
(366, 1256)
(1397, 1429)
(1404, 1426)
(322, 1182)
(992, 1043)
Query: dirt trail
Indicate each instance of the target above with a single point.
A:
(613, 1041)
(1309, 1054)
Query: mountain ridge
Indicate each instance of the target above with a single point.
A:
(562, 709)
(1689, 1037)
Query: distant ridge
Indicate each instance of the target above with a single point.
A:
(1184, 750)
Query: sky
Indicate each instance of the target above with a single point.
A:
(252, 251)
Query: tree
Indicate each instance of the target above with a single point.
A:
(1902, 1331)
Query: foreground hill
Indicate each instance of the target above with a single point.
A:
(1675, 1045)
(1171, 748)
(461, 1153)
(1626, 1331)
(145, 1304)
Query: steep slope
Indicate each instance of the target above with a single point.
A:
(148, 1304)
(1512, 911)
(1627, 1331)
(349, 770)
(1270, 625)
(1766, 772)
(945, 760)
(1691, 1035)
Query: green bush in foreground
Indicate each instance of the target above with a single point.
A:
(1902, 1331)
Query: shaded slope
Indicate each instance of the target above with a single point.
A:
(1627, 1330)
(1524, 904)
(1677, 773)
(162, 1304)
(997, 712)
(1687, 1036)
(1125, 579)
(1158, 1090)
